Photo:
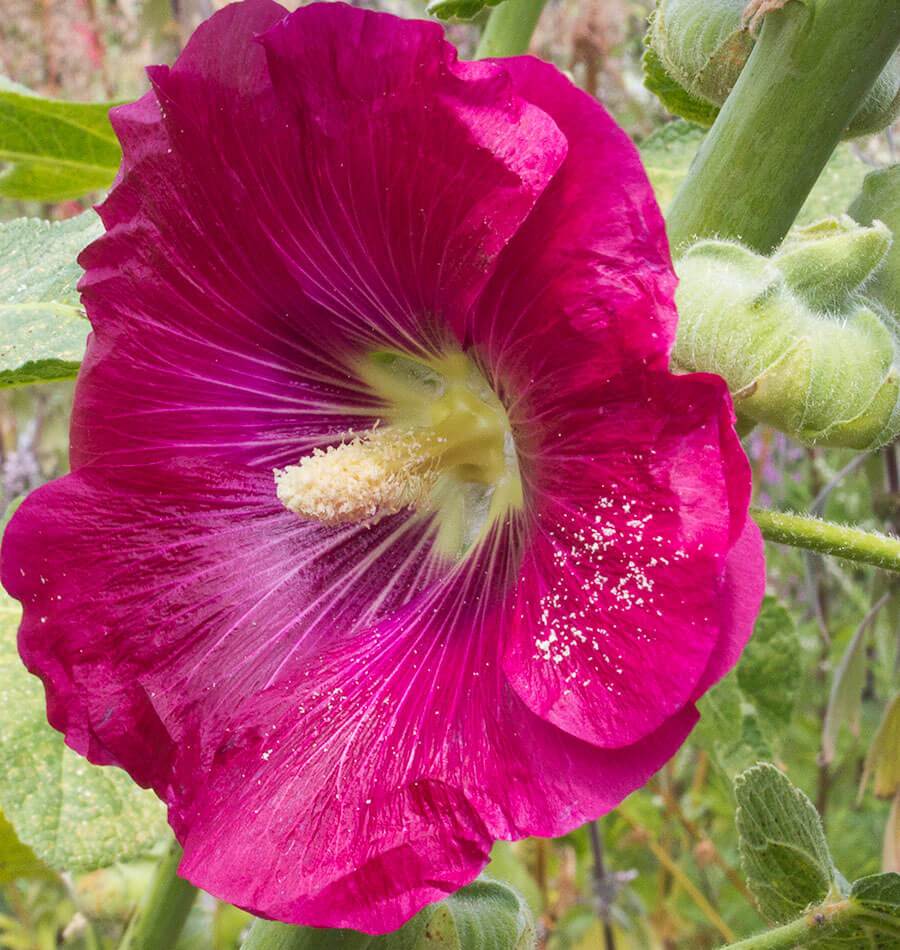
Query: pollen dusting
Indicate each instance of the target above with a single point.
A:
(363, 480)
(607, 562)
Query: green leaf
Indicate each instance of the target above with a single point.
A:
(879, 200)
(840, 181)
(74, 815)
(17, 859)
(56, 150)
(871, 919)
(743, 717)
(508, 864)
(459, 9)
(42, 324)
(721, 712)
(729, 728)
(845, 699)
(673, 95)
(770, 669)
(883, 757)
(11, 509)
(487, 915)
(879, 893)
(667, 156)
(782, 844)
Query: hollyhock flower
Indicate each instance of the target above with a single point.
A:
(388, 532)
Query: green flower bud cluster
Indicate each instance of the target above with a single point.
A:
(696, 50)
(794, 335)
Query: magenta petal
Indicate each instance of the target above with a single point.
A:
(619, 599)
(364, 200)
(409, 754)
(743, 587)
(151, 603)
(587, 285)
(342, 719)
(364, 748)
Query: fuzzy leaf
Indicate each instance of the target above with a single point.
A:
(674, 97)
(770, 668)
(720, 713)
(74, 815)
(729, 728)
(875, 924)
(487, 915)
(867, 917)
(783, 848)
(55, 150)
(667, 155)
(42, 325)
(459, 9)
(743, 717)
(879, 893)
(510, 865)
(869, 920)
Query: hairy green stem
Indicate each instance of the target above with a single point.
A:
(781, 938)
(794, 934)
(813, 65)
(271, 935)
(161, 917)
(509, 28)
(825, 537)
(818, 924)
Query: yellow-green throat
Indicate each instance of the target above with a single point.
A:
(441, 445)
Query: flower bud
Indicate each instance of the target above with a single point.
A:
(800, 346)
(825, 263)
(697, 49)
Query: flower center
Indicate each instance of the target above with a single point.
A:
(442, 444)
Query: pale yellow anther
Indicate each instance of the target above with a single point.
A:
(362, 480)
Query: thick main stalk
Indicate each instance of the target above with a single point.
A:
(807, 76)
(509, 28)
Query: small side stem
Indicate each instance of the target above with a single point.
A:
(813, 65)
(825, 537)
(509, 28)
(781, 938)
(161, 917)
(272, 935)
(818, 923)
